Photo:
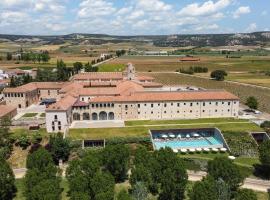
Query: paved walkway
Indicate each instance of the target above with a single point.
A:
(97, 124)
(250, 183)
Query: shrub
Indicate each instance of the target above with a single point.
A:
(23, 141)
(218, 75)
(252, 102)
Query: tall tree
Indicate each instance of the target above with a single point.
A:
(246, 194)
(116, 161)
(77, 67)
(225, 169)
(252, 102)
(7, 181)
(218, 75)
(59, 147)
(204, 190)
(62, 71)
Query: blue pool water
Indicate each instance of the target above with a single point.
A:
(190, 143)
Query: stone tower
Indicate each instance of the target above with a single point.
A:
(130, 71)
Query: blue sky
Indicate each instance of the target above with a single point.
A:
(133, 17)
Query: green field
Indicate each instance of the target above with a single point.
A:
(111, 67)
(26, 115)
(242, 91)
(141, 130)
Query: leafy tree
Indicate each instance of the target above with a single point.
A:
(223, 189)
(79, 196)
(59, 147)
(7, 181)
(80, 173)
(89, 68)
(265, 124)
(41, 180)
(264, 153)
(9, 56)
(225, 169)
(40, 159)
(252, 102)
(26, 79)
(204, 190)
(102, 186)
(77, 66)
(62, 71)
(218, 75)
(245, 194)
(46, 189)
(123, 195)
(139, 191)
(116, 161)
(5, 138)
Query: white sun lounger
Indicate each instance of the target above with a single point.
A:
(223, 149)
(183, 150)
(175, 150)
(199, 149)
(215, 149)
(192, 150)
(206, 149)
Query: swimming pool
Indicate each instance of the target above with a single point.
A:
(191, 143)
(208, 138)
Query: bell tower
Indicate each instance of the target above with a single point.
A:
(130, 71)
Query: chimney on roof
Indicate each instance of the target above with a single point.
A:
(130, 71)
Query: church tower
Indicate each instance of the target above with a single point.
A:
(130, 71)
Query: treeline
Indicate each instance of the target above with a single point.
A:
(192, 70)
(30, 56)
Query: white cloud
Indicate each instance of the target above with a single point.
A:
(241, 11)
(93, 8)
(207, 8)
(55, 27)
(251, 27)
(264, 13)
(136, 14)
(207, 27)
(153, 5)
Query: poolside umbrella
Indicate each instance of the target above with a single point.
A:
(179, 136)
(164, 136)
(187, 136)
(198, 149)
(183, 150)
(206, 149)
(192, 150)
(175, 150)
(171, 135)
(215, 149)
(196, 135)
(231, 157)
(223, 149)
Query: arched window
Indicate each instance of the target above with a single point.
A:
(103, 116)
(86, 116)
(94, 116)
(76, 116)
(111, 116)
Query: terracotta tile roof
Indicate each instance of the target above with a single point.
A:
(6, 109)
(170, 96)
(144, 78)
(98, 91)
(36, 85)
(63, 104)
(70, 87)
(99, 75)
(128, 87)
(79, 103)
(151, 85)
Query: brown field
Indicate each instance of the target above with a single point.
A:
(243, 92)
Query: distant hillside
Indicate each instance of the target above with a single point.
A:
(257, 38)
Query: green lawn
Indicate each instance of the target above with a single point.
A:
(184, 121)
(43, 115)
(109, 67)
(142, 131)
(23, 131)
(29, 115)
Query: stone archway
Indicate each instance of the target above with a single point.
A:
(111, 116)
(76, 116)
(94, 116)
(86, 116)
(103, 116)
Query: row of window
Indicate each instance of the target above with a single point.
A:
(184, 111)
(102, 105)
(14, 95)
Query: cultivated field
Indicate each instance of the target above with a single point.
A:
(243, 92)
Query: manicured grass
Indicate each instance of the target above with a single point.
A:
(184, 121)
(29, 115)
(43, 115)
(111, 67)
(142, 131)
(24, 131)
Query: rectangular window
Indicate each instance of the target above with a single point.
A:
(112, 104)
(229, 103)
(59, 123)
(178, 104)
(59, 128)
(152, 105)
(216, 103)
(55, 117)
(139, 105)
(126, 107)
(203, 104)
(171, 104)
(191, 104)
(53, 128)
(165, 105)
